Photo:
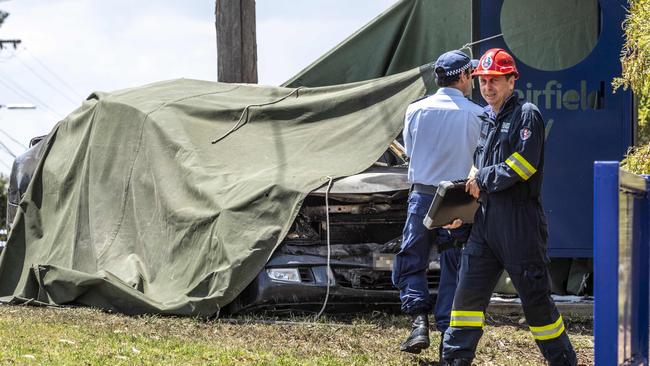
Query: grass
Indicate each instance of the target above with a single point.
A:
(81, 336)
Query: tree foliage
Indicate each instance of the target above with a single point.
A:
(635, 56)
(635, 59)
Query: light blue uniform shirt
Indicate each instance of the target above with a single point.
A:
(440, 135)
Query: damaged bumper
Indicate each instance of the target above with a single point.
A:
(291, 283)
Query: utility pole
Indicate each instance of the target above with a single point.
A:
(236, 41)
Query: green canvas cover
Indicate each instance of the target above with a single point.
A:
(409, 34)
(133, 209)
(548, 35)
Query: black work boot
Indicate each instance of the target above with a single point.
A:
(419, 337)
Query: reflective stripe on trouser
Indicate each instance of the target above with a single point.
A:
(516, 243)
(549, 331)
(460, 318)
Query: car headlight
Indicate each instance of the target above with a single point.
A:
(284, 274)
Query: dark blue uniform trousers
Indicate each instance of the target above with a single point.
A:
(512, 236)
(411, 263)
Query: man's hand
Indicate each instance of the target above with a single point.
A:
(454, 225)
(472, 187)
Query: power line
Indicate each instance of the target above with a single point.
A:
(63, 82)
(7, 58)
(25, 95)
(13, 139)
(47, 82)
(6, 148)
(7, 82)
(5, 164)
(17, 92)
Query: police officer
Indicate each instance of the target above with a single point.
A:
(510, 229)
(440, 135)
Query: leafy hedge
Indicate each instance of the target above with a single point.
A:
(638, 160)
(635, 59)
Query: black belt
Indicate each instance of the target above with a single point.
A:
(424, 188)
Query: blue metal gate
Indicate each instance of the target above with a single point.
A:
(621, 262)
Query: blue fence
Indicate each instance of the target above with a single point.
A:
(621, 262)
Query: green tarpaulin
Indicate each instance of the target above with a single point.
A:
(411, 33)
(133, 209)
(548, 35)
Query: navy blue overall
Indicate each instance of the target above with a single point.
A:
(412, 261)
(510, 233)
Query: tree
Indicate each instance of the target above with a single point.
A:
(635, 59)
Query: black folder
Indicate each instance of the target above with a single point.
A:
(451, 202)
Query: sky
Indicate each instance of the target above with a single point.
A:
(71, 48)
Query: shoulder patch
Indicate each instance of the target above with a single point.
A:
(525, 133)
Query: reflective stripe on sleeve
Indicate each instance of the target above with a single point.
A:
(461, 318)
(520, 165)
(550, 331)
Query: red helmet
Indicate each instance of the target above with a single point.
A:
(496, 61)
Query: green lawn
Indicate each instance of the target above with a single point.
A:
(81, 336)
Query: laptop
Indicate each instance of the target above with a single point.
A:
(449, 203)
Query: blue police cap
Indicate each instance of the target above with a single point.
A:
(453, 63)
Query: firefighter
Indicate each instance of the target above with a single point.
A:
(440, 135)
(510, 229)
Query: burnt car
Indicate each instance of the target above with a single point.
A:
(364, 215)
(367, 212)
